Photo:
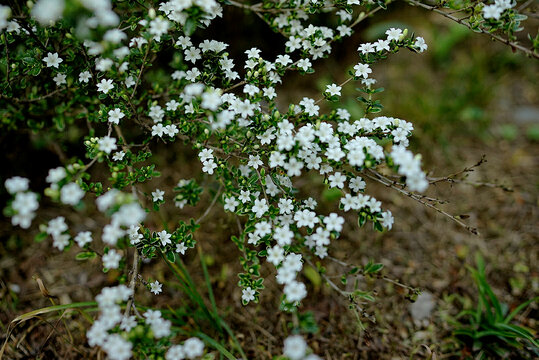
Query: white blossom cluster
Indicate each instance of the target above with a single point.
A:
(110, 316)
(495, 11)
(25, 202)
(410, 166)
(111, 328)
(124, 222)
(228, 110)
(46, 12)
(299, 142)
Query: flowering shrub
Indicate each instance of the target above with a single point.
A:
(69, 63)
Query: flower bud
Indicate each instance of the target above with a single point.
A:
(404, 34)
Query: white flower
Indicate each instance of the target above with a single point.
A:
(193, 347)
(105, 85)
(118, 156)
(152, 316)
(260, 207)
(111, 234)
(175, 353)
(295, 291)
(357, 184)
(71, 194)
(304, 64)
(366, 48)
(161, 328)
(248, 295)
(16, 184)
(48, 11)
(254, 161)
(231, 203)
(492, 12)
(382, 45)
(103, 64)
(128, 323)
(111, 260)
(59, 79)
(283, 60)
(333, 90)
(115, 115)
(60, 241)
(393, 34)
(156, 287)
(420, 44)
(83, 238)
(56, 226)
(181, 248)
(157, 195)
(334, 222)
(387, 220)
(164, 237)
(52, 60)
(129, 81)
(114, 36)
(275, 255)
(253, 53)
(107, 144)
(362, 70)
(209, 166)
(129, 214)
(85, 76)
(310, 107)
(192, 54)
(295, 347)
(117, 348)
(158, 27)
(337, 180)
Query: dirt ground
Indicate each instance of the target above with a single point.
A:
(425, 249)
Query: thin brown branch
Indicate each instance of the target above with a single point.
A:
(461, 21)
(208, 209)
(374, 175)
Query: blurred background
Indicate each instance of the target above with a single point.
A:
(467, 96)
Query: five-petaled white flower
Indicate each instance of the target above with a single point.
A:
(333, 90)
(156, 287)
(52, 60)
(105, 85)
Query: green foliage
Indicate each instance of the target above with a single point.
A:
(487, 329)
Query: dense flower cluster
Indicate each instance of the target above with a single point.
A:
(87, 61)
(111, 331)
(260, 151)
(25, 202)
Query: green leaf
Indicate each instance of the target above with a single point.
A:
(519, 309)
(40, 237)
(190, 26)
(372, 268)
(366, 295)
(313, 276)
(217, 346)
(85, 255)
(45, 310)
(171, 256)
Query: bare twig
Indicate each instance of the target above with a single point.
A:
(375, 275)
(461, 21)
(214, 200)
(374, 175)
(141, 70)
(465, 170)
